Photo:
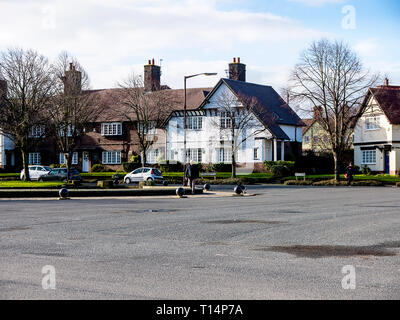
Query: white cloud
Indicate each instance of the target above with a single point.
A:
(367, 48)
(317, 3)
(110, 38)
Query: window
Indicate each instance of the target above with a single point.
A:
(224, 155)
(194, 154)
(306, 139)
(149, 128)
(37, 132)
(316, 139)
(255, 153)
(194, 123)
(70, 129)
(152, 156)
(225, 120)
(111, 129)
(74, 159)
(34, 158)
(111, 157)
(372, 123)
(368, 156)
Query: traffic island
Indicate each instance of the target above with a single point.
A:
(78, 193)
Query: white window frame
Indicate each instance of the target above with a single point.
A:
(152, 155)
(224, 120)
(111, 129)
(368, 157)
(195, 154)
(73, 161)
(372, 123)
(70, 128)
(195, 123)
(37, 131)
(34, 158)
(151, 130)
(224, 155)
(255, 154)
(111, 157)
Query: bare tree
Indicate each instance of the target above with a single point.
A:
(238, 121)
(330, 78)
(30, 86)
(146, 111)
(73, 106)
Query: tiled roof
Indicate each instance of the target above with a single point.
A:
(112, 108)
(388, 98)
(308, 123)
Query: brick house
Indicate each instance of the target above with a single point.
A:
(112, 139)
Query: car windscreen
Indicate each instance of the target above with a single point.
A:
(47, 168)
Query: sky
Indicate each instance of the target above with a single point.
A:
(113, 38)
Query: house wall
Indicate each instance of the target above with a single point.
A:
(211, 137)
(386, 134)
(6, 144)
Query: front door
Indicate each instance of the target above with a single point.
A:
(85, 161)
(387, 162)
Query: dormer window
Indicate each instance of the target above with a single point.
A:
(37, 131)
(372, 123)
(111, 129)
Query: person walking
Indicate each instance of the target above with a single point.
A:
(349, 174)
(192, 173)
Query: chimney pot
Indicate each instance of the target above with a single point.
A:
(149, 62)
(386, 82)
(152, 62)
(237, 70)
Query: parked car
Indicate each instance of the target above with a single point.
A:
(144, 174)
(60, 174)
(35, 172)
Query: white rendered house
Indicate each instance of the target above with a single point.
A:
(377, 131)
(270, 134)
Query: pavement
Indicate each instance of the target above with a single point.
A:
(283, 243)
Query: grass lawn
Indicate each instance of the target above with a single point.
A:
(379, 177)
(29, 184)
(8, 175)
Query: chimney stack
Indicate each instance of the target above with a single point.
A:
(72, 81)
(386, 82)
(318, 112)
(237, 70)
(3, 89)
(152, 75)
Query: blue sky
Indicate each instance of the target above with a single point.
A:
(114, 38)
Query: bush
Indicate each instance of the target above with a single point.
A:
(98, 168)
(356, 170)
(366, 170)
(298, 183)
(130, 166)
(222, 167)
(288, 164)
(174, 166)
(280, 171)
(398, 184)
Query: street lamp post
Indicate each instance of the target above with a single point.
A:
(184, 115)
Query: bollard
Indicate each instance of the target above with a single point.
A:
(63, 193)
(180, 192)
(238, 190)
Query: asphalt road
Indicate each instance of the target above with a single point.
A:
(283, 243)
